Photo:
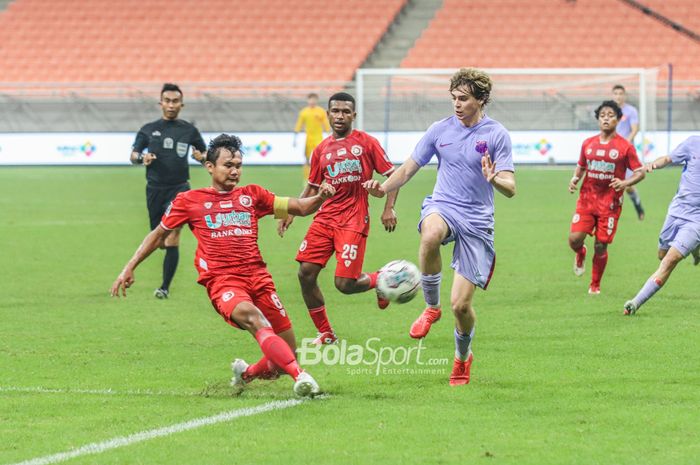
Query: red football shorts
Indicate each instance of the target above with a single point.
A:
(320, 243)
(605, 226)
(256, 287)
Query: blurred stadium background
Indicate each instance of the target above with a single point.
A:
(247, 65)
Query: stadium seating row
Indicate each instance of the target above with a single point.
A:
(278, 40)
(184, 40)
(543, 33)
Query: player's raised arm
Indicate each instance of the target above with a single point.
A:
(150, 243)
(284, 223)
(308, 205)
(658, 164)
(397, 179)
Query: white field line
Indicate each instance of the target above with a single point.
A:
(129, 392)
(122, 441)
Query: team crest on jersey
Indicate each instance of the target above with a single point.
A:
(356, 150)
(228, 295)
(342, 152)
(226, 204)
(614, 154)
(207, 205)
(328, 156)
(168, 143)
(245, 200)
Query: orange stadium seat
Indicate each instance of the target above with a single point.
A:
(132, 40)
(549, 33)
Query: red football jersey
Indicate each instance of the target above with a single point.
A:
(225, 225)
(345, 164)
(603, 162)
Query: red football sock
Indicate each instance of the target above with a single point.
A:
(277, 351)
(263, 368)
(373, 279)
(320, 319)
(599, 262)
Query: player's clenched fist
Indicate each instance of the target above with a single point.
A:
(325, 190)
(374, 188)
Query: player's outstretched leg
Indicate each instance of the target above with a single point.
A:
(244, 373)
(600, 261)
(382, 303)
(433, 230)
(313, 297)
(432, 313)
(655, 282)
(277, 350)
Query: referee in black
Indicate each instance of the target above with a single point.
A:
(162, 147)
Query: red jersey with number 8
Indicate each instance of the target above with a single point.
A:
(603, 163)
(225, 225)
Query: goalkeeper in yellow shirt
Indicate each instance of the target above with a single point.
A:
(315, 121)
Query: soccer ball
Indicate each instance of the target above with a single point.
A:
(398, 281)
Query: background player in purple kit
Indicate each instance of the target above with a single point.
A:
(628, 127)
(680, 234)
(475, 157)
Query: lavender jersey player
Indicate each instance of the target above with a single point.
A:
(462, 196)
(630, 118)
(680, 234)
(681, 229)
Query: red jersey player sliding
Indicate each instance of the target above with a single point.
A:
(345, 160)
(604, 159)
(224, 219)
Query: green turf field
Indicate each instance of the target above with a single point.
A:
(559, 377)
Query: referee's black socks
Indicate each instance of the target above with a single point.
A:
(172, 256)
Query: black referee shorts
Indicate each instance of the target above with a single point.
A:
(158, 199)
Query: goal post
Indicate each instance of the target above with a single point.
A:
(523, 99)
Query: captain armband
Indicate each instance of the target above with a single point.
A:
(280, 207)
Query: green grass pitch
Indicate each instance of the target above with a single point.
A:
(559, 377)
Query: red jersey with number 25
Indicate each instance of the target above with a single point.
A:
(604, 162)
(345, 164)
(225, 225)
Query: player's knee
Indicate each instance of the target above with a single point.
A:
(249, 317)
(306, 276)
(600, 248)
(345, 285)
(460, 307)
(576, 241)
(431, 238)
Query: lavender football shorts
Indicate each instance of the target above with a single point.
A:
(474, 256)
(679, 233)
